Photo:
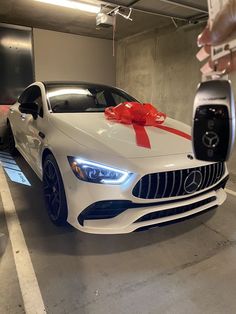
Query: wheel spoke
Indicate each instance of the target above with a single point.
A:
(55, 198)
(47, 190)
(52, 190)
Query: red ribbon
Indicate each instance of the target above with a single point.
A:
(141, 115)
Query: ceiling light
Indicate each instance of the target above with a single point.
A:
(74, 5)
(11, 42)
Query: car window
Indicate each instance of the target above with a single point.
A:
(84, 98)
(118, 98)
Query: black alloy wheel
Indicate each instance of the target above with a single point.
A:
(54, 192)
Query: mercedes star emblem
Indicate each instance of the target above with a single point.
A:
(193, 182)
(210, 139)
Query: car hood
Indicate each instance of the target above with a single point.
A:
(95, 132)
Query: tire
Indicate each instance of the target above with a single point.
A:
(10, 142)
(54, 192)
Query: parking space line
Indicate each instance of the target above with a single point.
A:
(230, 192)
(6, 159)
(5, 155)
(32, 298)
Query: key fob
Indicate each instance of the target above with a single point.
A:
(213, 129)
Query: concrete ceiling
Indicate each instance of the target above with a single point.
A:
(147, 14)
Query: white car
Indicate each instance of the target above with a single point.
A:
(94, 174)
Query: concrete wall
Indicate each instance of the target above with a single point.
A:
(60, 56)
(161, 68)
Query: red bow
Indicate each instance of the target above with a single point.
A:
(140, 115)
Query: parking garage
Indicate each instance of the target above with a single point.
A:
(101, 211)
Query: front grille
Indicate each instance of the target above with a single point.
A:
(175, 211)
(110, 209)
(172, 183)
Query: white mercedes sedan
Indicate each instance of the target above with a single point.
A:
(94, 174)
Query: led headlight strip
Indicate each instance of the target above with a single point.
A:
(97, 173)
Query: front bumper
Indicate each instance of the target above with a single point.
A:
(132, 216)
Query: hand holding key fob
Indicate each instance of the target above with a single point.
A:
(213, 121)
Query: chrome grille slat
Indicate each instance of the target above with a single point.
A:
(180, 182)
(213, 174)
(163, 194)
(208, 177)
(171, 183)
(204, 178)
(222, 170)
(140, 188)
(149, 185)
(217, 172)
(199, 169)
(158, 183)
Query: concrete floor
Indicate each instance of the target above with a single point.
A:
(189, 267)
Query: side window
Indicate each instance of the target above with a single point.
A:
(30, 95)
(118, 98)
(100, 99)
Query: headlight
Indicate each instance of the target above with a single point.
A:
(97, 173)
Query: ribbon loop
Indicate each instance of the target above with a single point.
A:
(141, 115)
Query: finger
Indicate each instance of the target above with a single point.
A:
(203, 53)
(224, 24)
(222, 65)
(226, 63)
(204, 38)
(207, 68)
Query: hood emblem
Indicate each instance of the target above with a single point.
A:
(192, 182)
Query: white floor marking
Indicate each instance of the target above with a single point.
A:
(230, 192)
(33, 302)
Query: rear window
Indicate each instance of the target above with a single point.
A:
(84, 98)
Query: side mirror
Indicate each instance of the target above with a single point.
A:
(29, 108)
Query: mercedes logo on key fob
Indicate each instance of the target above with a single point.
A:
(210, 139)
(213, 121)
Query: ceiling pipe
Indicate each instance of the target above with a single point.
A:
(198, 17)
(133, 2)
(157, 13)
(175, 24)
(185, 5)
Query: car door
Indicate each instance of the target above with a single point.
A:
(27, 130)
(36, 134)
(32, 135)
(19, 120)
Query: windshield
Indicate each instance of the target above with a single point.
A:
(84, 98)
